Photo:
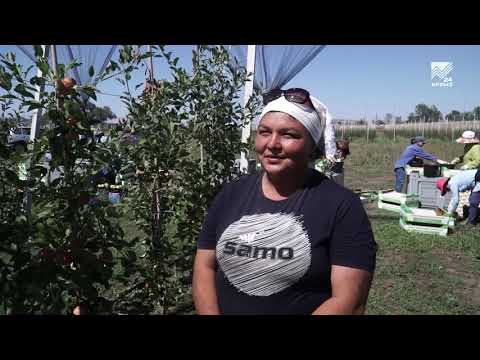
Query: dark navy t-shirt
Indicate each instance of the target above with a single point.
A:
(275, 257)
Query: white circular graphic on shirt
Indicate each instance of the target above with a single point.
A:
(264, 254)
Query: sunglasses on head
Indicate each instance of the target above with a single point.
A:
(294, 95)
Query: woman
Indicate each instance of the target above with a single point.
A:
(471, 151)
(468, 180)
(411, 152)
(332, 167)
(287, 240)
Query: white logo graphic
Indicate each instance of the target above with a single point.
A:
(440, 73)
(264, 254)
(248, 238)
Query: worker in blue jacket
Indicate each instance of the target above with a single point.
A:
(415, 149)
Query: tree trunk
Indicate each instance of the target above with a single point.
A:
(156, 216)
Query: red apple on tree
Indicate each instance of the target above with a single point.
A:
(71, 121)
(66, 85)
(78, 310)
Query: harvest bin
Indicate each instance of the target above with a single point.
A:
(426, 217)
(392, 201)
(423, 229)
(425, 188)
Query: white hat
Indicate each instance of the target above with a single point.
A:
(313, 119)
(468, 137)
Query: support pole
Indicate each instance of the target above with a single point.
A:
(248, 93)
(35, 125)
(151, 63)
(37, 113)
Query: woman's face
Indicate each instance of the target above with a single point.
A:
(283, 144)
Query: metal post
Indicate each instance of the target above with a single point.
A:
(37, 113)
(55, 72)
(368, 130)
(54, 59)
(446, 127)
(394, 125)
(194, 65)
(35, 126)
(201, 158)
(247, 94)
(151, 63)
(453, 126)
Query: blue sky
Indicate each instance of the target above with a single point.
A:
(358, 80)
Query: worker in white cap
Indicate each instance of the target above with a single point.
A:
(471, 151)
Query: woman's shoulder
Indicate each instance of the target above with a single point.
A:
(327, 188)
(240, 182)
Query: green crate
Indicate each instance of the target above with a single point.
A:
(394, 197)
(392, 200)
(424, 229)
(389, 206)
(424, 216)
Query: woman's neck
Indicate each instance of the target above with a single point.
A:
(281, 187)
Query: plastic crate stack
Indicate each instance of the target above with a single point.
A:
(393, 200)
(424, 221)
(412, 217)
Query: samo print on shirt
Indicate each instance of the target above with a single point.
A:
(264, 254)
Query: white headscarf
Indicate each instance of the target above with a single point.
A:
(317, 121)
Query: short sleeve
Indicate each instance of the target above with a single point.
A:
(352, 243)
(208, 234)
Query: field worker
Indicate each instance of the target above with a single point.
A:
(414, 150)
(287, 240)
(332, 166)
(335, 151)
(464, 181)
(471, 151)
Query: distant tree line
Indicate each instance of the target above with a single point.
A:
(427, 113)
